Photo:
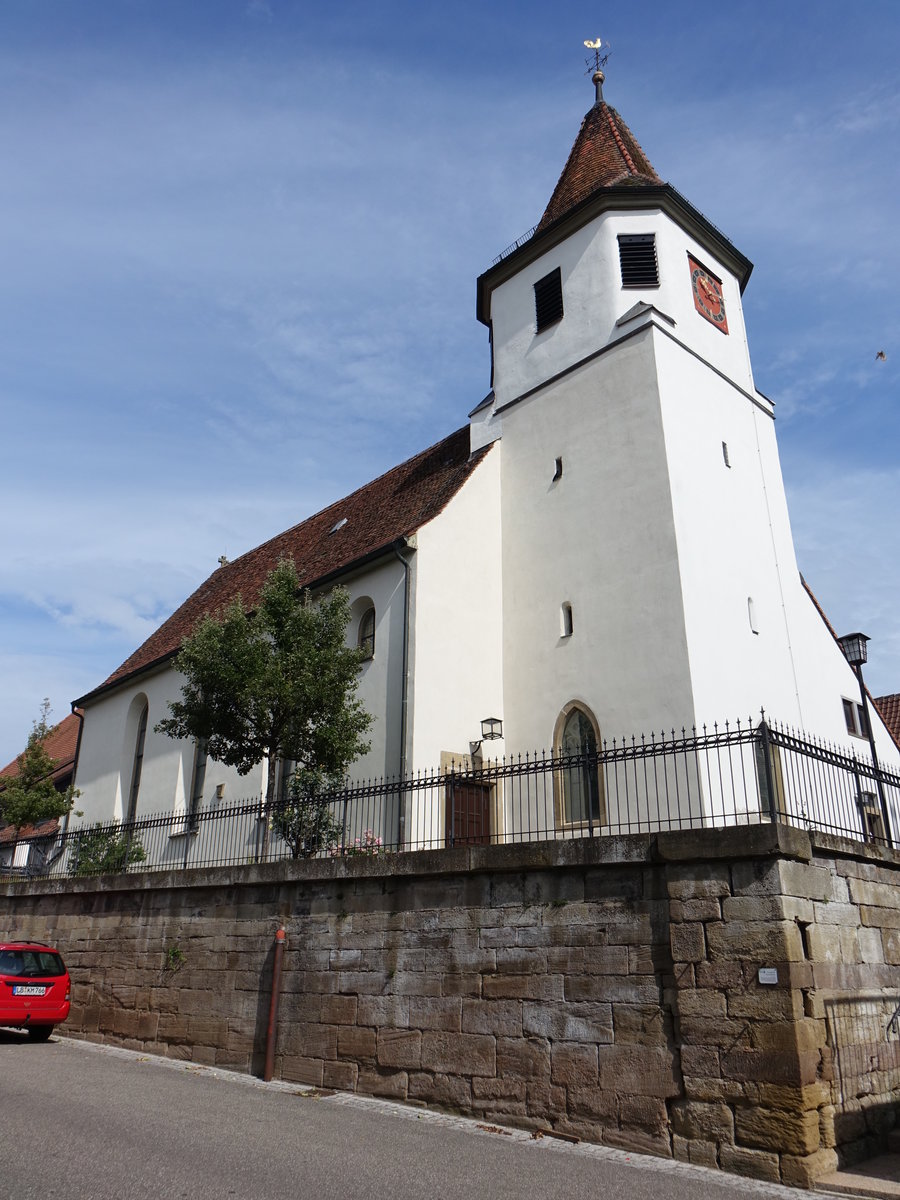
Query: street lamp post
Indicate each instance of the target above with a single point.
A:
(854, 648)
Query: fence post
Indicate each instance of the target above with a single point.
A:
(766, 743)
(451, 826)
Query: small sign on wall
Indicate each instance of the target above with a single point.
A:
(768, 975)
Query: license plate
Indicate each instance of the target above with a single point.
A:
(30, 990)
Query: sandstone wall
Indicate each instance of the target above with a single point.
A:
(608, 988)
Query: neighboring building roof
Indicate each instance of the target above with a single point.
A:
(889, 707)
(61, 743)
(358, 527)
(9, 833)
(605, 154)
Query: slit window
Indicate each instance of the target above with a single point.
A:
(548, 301)
(137, 764)
(568, 626)
(637, 259)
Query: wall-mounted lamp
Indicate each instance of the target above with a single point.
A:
(491, 729)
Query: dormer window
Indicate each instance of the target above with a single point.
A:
(548, 301)
(637, 258)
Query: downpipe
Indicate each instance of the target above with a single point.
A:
(272, 1027)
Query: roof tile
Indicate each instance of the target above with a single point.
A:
(605, 154)
(391, 507)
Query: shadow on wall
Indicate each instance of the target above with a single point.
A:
(263, 997)
(864, 1051)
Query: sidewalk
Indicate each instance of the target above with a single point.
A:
(879, 1177)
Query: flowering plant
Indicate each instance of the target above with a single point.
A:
(367, 844)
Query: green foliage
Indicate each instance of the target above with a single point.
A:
(175, 958)
(278, 682)
(30, 796)
(304, 821)
(105, 850)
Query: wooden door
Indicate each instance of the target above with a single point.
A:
(468, 817)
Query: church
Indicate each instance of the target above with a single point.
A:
(603, 550)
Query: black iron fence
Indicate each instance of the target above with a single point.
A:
(737, 774)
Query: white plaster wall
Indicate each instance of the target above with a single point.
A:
(107, 747)
(458, 636)
(734, 542)
(602, 539)
(106, 758)
(380, 683)
(594, 299)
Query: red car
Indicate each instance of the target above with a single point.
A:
(34, 988)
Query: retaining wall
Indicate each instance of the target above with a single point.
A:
(606, 988)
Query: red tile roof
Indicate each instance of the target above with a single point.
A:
(889, 707)
(605, 153)
(60, 743)
(9, 834)
(391, 507)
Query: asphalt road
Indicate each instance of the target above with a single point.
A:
(96, 1123)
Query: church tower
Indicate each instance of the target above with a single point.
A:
(648, 567)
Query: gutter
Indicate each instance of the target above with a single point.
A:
(398, 546)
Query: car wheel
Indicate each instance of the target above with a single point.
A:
(40, 1033)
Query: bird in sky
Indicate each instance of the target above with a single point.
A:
(881, 356)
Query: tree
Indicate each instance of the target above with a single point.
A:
(30, 796)
(278, 682)
(304, 820)
(103, 850)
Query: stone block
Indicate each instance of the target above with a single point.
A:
(399, 1048)
(761, 941)
(800, 1036)
(709, 881)
(781, 877)
(500, 1017)
(647, 1113)
(340, 1075)
(702, 1002)
(776, 1130)
(338, 1010)
(591, 1103)
(871, 949)
(688, 942)
(148, 1026)
(459, 1053)
(769, 1066)
(875, 895)
(569, 1022)
(692, 1119)
(604, 960)
(639, 1024)
(297, 1069)
(639, 1071)
(392, 1084)
(805, 1171)
(391, 1011)
(438, 1012)
(460, 985)
(755, 1164)
(696, 910)
(523, 987)
(498, 1089)
(355, 1042)
(574, 1065)
(448, 1091)
(766, 1004)
(523, 1058)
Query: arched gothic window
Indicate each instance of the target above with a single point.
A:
(366, 636)
(137, 763)
(579, 787)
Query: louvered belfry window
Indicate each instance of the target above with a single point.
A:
(548, 302)
(637, 256)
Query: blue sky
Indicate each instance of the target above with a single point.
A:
(238, 250)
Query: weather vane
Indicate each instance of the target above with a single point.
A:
(600, 59)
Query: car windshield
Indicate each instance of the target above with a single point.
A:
(31, 964)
